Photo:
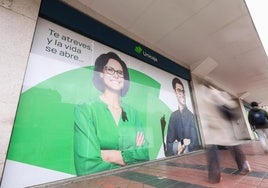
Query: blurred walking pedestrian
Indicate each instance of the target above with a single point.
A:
(257, 118)
(221, 111)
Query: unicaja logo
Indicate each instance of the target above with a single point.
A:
(139, 50)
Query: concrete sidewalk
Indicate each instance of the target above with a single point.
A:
(184, 171)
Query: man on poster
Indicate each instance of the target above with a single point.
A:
(182, 134)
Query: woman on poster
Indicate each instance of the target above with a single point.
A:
(107, 132)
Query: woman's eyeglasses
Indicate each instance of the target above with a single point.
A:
(111, 71)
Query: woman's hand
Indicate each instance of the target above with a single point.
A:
(112, 156)
(115, 156)
(139, 139)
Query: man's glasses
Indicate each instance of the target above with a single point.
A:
(111, 71)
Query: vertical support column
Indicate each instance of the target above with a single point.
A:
(18, 20)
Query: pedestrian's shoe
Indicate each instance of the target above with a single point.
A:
(214, 175)
(215, 178)
(245, 169)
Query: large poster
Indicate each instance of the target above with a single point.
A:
(87, 108)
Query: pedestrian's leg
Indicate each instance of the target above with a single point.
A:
(265, 131)
(262, 138)
(240, 159)
(214, 173)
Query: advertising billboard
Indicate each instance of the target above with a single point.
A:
(87, 108)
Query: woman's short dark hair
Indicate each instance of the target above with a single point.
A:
(100, 62)
(176, 81)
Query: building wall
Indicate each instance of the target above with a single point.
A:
(18, 19)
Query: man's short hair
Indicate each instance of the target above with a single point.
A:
(253, 104)
(176, 81)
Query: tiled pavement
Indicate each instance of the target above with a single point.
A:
(185, 171)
